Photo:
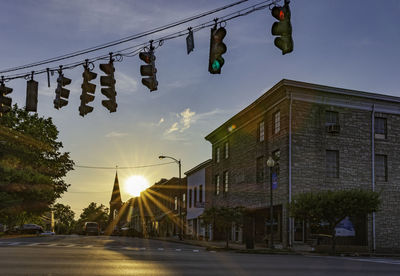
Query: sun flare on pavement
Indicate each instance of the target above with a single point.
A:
(136, 184)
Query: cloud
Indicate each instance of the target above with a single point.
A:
(125, 83)
(185, 120)
(114, 134)
(161, 121)
(173, 128)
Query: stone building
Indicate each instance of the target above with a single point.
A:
(322, 138)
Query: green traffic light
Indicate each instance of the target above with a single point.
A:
(216, 65)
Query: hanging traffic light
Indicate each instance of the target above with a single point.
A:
(62, 93)
(283, 28)
(109, 82)
(217, 48)
(149, 70)
(5, 102)
(88, 90)
(31, 95)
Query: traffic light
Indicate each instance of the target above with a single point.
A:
(109, 82)
(283, 28)
(62, 93)
(31, 95)
(88, 90)
(149, 70)
(5, 102)
(217, 48)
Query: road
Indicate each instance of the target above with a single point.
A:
(79, 255)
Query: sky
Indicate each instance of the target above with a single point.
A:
(351, 44)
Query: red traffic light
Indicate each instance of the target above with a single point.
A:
(280, 13)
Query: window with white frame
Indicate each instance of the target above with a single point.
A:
(261, 131)
(217, 155)
(176, 203)
(217, 184)
(226, 150)
(332, 163)
(277, 122)
(226, 181)
(381, 173)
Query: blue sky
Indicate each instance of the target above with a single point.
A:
(349, 44)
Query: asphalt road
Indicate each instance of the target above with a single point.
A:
(78, 255)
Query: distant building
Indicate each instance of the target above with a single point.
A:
(115, 205)
(198, 182)
(321, 138)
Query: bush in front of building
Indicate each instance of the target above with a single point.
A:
(331, 207)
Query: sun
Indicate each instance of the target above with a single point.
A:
(136, 184)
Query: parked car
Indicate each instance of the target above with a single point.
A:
(91, 228)
(47, 233)
(31, 229)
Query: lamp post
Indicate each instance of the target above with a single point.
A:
(180, 202)
(271, 164)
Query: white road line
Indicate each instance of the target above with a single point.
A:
(14, 243)
(52, 244)
(142, 248)
(33, 244)
(70, 245)
(87, 246)
(178, 249)
(195, 250)
(212, 251)
(372, 260)
(161, 249)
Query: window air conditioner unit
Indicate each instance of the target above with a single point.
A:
(333, 128)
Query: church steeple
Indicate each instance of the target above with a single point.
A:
(116, 194)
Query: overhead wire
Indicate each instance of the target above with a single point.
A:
(120, 41)
(123, 168)
(141, 46)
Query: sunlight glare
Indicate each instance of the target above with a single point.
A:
(136, 184)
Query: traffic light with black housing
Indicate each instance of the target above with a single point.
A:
(88, 90)
(149, 69)
(217, 48)
(109, 82)
(5, 102)
(62, 93)
(282, 28)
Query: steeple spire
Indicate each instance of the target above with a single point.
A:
(116, 194)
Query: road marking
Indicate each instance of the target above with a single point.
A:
(142, 248)
(14, 243)
(87, 246)
(33, 244)
(52, 244)
(70, 245)
(161, 249)
(178, 249)
(372, 260)
(195, 250)
(212, 251)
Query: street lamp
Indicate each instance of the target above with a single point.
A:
(271, 164)
(180, 202)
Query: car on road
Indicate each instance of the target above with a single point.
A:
(91, 228)
(31, 229)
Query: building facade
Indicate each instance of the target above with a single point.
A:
(321, 138)
(199, 180)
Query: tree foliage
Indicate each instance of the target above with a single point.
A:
(31, 164)
(64, 218)
(333, 206)
(222, 218)
(95, 213)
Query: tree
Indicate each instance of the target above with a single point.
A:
(31, 164)
(333, 206)
(95, 213)
(222, 219)
(64, 218)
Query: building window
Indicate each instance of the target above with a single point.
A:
(277, 122)
(276, 155)
(332, 163)
(201, 193)
(380, 128)
(381, 173)
(331, 118)
(217, 184)
(176, 203)
(226, 181)
(261, 131)
(184, 200)
(226, 150)
(195, 196)
(217, 155)
(260, 169)
(190, 198)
